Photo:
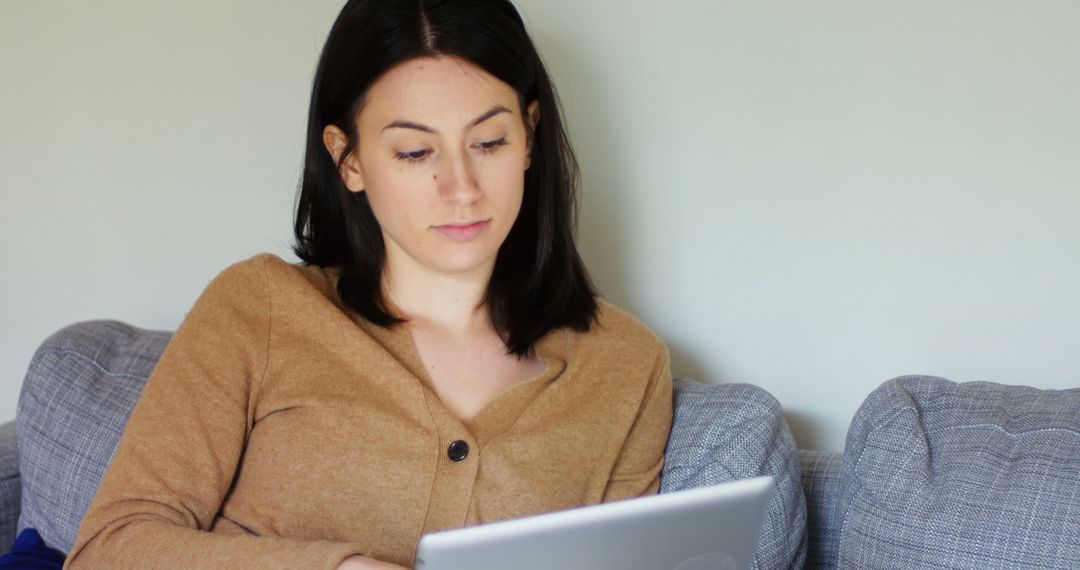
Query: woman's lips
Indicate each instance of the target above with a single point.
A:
(463, 232)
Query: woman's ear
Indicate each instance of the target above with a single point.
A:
(534, 119)
(335, 141)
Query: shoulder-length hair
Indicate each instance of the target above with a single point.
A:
(539, 282)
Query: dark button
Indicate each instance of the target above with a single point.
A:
(458, 451)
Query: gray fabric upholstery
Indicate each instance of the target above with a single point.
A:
(821, 486)
(978, 475)
(935, 474)
(9, 485)
(736, 431)
(78, 393)
(84, 380)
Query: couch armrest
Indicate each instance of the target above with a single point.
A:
(821, 485)
(10, 487)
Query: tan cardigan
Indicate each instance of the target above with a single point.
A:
(280, 430)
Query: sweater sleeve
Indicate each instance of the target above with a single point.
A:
(183, 443)
(638, 467)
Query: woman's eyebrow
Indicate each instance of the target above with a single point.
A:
(399, 124)
(402, 124)
(491, 113)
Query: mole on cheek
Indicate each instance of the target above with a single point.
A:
(434, 176)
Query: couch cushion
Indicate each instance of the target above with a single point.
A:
(79, 391)
(85, 379)
(978, 475)
(735, 431)
(821, 485)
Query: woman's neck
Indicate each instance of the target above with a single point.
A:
(447, 303)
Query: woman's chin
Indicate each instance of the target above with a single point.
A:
(465, 263)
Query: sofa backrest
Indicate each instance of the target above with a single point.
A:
(79, 390)
(736, 431)
(84, 381)
(938, 474)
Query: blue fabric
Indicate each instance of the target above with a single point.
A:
(31, 553)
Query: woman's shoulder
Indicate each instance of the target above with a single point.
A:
(263, 262)
(281, 279)
(254, 268)
(271, 266)
(618, 330)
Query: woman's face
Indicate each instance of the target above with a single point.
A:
(442, 155)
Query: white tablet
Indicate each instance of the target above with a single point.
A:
(709, 528)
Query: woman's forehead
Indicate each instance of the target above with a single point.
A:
(447, 91)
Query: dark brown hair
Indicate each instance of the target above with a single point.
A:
(539, 283)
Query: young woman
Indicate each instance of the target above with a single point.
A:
(438, 359)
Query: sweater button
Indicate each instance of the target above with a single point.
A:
(458, 451)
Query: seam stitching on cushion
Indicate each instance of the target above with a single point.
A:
(855, 469)
(37, 430)
(692, 470)
(35, 362)
(94, 363)
(756, 410)
(38, 401)
(1003, 430)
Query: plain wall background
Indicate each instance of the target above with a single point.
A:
(810, 197)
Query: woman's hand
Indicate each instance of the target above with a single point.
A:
(365, 563)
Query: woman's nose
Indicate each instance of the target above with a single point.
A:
(457, 180)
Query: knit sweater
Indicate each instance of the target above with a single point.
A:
(279, 429)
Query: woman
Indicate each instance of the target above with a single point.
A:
(439, 359)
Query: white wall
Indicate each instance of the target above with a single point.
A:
(811, 197)
(144, 146)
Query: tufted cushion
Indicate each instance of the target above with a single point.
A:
(978, 475)
(79, 391)
(736, 431)
(84, 380)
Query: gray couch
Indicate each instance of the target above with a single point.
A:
(935, 474)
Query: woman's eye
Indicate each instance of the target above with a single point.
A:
(413, 155)
(491, 146)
